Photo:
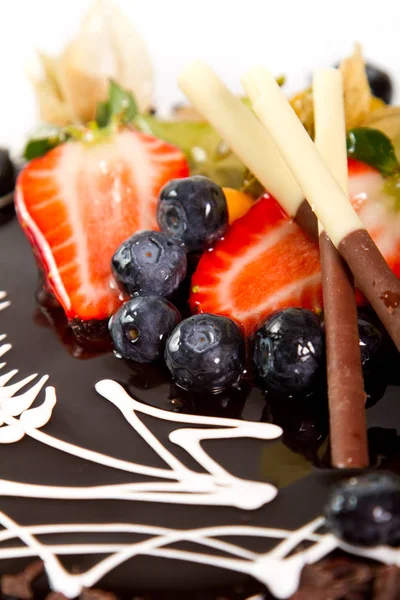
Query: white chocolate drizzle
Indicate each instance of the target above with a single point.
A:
(279, 569)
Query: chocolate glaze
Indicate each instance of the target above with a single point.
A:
(306, 219)
(83, 417)
(348, 431)
(374, 278)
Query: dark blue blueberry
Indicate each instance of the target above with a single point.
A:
(150, 263)
(194, 211)
(206, 353)
(380, 83)
(140, 328)
(371, 343)
(365, 510)
(288, 351)
(7, 173)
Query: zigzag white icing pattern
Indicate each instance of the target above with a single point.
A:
(279, 569)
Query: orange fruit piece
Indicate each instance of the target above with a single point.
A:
(238, 203)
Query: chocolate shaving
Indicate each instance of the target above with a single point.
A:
(56, 596)
(87, 594)
(20, 585)
(343, 578)
(95, 594)
(336, 578)
(387, 584)
(348, 428)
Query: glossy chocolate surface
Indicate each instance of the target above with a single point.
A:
(83, 417)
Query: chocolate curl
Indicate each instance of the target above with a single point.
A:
(348, 431)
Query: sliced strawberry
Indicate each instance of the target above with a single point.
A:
(80, 201)
(377, 210)
(265, 262)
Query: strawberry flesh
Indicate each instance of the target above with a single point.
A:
(79, 202)
(265, 262)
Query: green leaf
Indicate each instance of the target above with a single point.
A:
(39, 145)
(373, 147)
(392, 191)
(120, 106)
(103, 114)
(205, 150)
(122, 102)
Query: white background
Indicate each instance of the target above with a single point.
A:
(288, 36)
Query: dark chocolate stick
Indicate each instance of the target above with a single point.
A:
(306, 220)
(346, 395)
(329, 202)
(348, 427)
(374, 278)
(348, 430)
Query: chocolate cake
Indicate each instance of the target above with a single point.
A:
(197, 398)
(92, 524)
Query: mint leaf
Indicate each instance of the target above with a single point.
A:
(374, 148)
(120, 105)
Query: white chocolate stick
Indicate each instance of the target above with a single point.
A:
(347, 423)
(331, 205)
(242, 131)
(321, 189)
(330, 123)
(254, 84)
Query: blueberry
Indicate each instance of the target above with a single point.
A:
(365, 510)
(206, 353)
(194, 211)
(140, 328)
(150, 263)
(371, 343)
(380, 83)
(288, 350)
(7, 173)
